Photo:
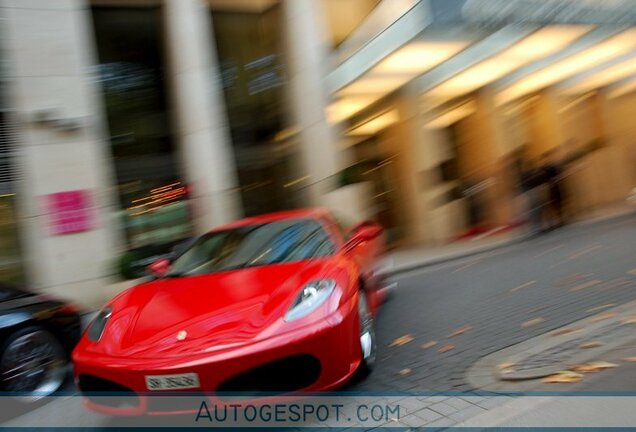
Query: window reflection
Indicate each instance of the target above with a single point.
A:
(131, 66)
(249, 47)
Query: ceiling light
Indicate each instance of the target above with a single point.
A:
(572, 65)
(374, 85)
(623, 89)
(452, 116)
(390, 74)
(345, 108)
(418, 57)
(376, 124)
(605, 77)
(538, 45)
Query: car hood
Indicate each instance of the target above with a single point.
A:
(176, 316)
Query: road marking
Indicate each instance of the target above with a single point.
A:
(632, 272)
(525, 285)
(587, 284)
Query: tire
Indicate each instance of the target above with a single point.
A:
(33, 364)
(367, 338)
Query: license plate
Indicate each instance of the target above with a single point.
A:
(172, 382)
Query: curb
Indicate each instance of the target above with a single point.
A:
(484, 373)
(488, 248)
(452, 257)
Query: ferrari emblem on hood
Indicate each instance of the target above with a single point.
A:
(181, 335)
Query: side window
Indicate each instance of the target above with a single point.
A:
(325, 248)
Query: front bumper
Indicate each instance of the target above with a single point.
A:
(327, 350)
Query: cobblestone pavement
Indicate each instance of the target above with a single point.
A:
(496, 300)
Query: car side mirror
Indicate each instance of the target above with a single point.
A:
(159, 268)
(362, 232)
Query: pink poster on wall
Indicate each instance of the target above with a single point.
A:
(70, 212)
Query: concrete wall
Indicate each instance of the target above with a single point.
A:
(49, 48)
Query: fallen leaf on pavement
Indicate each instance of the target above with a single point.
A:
(598, 308)
(402, 340)
(564, 331)
(405, 372)
(587, 284)
(615, 283)
(604, 316)
(461, 331)
(506, 367)
(632, 272)
(592, 344)
(446, 348)
(532, 322)
(630, 320)
(563, 377)
(630, 359)
(574, 278)
(593, 367)
(428, 344)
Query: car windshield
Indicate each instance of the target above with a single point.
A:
(253, 245)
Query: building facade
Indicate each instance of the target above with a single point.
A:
(129, 126)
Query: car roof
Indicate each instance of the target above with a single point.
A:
(305, 213)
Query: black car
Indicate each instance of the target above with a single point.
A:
(37, 335)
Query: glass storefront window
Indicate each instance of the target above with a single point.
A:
(153, 200)
(249, 47)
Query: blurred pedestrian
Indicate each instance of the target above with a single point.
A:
(515, 164)
(471, 190)
(553, 172)
(533, 183)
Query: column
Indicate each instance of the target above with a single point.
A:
(497, 147)
(414, 148)
(202, 128)
(308, 59)
(66, 196)
(548, 131)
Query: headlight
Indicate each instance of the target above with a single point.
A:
(96, 328)
(310, 297)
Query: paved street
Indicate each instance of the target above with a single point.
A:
(489, 301)
(499, 299)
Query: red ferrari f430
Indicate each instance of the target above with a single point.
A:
(276, 303)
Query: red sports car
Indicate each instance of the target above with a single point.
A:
(275, 303)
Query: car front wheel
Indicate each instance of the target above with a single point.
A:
(368, 344)
(33, 364)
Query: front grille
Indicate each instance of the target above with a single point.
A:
(279, 376)
(105, 392)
